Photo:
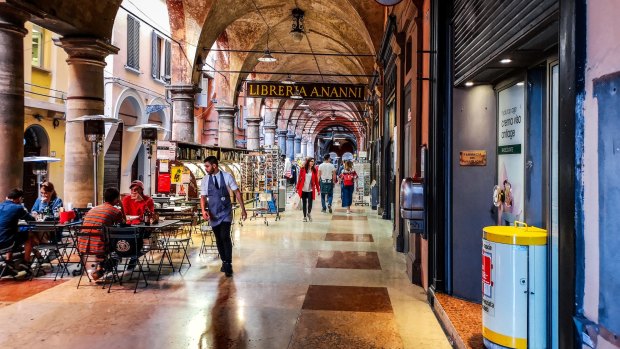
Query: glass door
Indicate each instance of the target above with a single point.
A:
(553, 200)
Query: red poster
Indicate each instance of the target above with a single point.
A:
(486, 269)
(163, 183)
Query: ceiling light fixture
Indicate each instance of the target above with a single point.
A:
(469, 83)
(333, 116)
(304, 104)
(297, 31)
(267, 57)
(505, 61)
(521, 83)
(296, 95)
(288, 80)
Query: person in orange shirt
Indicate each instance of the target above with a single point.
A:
(136, 203)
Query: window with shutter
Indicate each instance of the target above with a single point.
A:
(168, 58)
(133, 43)
(155, 56)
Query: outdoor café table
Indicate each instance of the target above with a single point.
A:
(159, 238)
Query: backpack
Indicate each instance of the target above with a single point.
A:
(347, 178)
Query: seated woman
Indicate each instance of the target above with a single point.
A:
(136, 203)
(48, 202)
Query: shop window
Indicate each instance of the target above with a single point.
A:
(133, 43)
(160, 58)
(37, 47)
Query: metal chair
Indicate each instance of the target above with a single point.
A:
(91, 244)
(125, 243)
(43, 251)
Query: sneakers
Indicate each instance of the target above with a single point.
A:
(309, 217)
(94, 274)
(330, 208)
(305, 219)
(349, 212)
(323, 210)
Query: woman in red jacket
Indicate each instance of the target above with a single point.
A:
(308, 186)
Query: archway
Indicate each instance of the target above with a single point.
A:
(36, 143)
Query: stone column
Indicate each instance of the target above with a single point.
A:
(84, 97)
(270, 135)
(12, 34)
(252, 133)
(297, 145)
(182, 111)
(304, 147)
(282, 141)
(290, 145)
(226, 128)
(310, 149)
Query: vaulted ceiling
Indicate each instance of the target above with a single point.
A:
(349, 30)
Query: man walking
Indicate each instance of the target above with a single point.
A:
(327, 178)
(217, 208)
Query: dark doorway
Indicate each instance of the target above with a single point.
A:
(112, 162)
(36, 143)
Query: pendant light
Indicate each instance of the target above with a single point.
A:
(288, 80)
(304, 104)
(267, 57)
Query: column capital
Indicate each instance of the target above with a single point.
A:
(282, 133)
(270, 127)
(225, 112)
(180, 91)
(253, 120)
(297, 138)
(13, 19)
(86, 49)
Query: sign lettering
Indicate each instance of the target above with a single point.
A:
(346, 92)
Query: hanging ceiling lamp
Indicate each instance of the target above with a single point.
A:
(267, 57)
(304, 104)
(333, 116)
(288, 80)
(296, 95)
(297, 28)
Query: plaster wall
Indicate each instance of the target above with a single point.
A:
(602, 59)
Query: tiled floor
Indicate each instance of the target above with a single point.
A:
(349, 237)
(466, 317)
(293, 287)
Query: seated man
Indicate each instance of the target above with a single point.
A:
(103, 215)
(136, 203)
(11, 211)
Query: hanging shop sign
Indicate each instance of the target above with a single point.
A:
(473, 158)
(166, 150)
(345, 92)
(510, 158)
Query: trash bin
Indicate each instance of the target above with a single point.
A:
(514, 286)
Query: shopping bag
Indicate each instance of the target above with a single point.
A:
(295, 201)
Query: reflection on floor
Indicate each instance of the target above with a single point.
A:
(296, 285)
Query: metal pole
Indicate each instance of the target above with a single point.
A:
(95, 151)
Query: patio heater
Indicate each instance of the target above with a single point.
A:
(40, 166)
(94, 132)
(149, 137)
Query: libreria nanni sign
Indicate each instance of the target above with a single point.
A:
(346, 92)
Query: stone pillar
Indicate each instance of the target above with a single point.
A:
(290, 145)
(282, 141)
(297, 145)
(12, 34)
(226, 128)
(270, 135)
(304, 147)
(183, 111)
(310, 149)
(84, 97)
(252, 133)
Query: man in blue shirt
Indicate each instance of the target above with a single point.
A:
(11, 211)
